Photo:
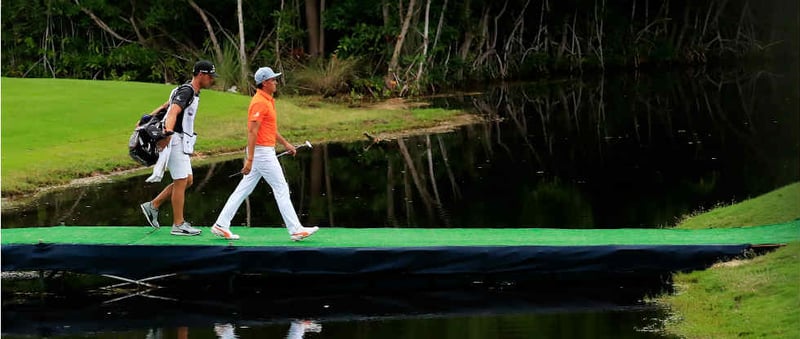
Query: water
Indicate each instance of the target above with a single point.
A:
(473, 313)
(589, 324)
(629, 151)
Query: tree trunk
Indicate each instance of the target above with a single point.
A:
(242, 54)
(466, 45)
(398, 46)
(47, 41)
(385, 12)
(262, 41)
(132, 20)
(278, 65)
(388, 81)
(424, 43)
(322, 27)
(101, 23)
(312, 23)
(598, 27)
(213, 36)
(439, 28)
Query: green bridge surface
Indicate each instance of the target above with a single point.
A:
(409, 237)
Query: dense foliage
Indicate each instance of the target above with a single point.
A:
(399, 47)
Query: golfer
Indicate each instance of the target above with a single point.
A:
(179, 125)
(261, 161)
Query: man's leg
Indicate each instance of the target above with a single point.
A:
(242, 191)
(178, 197)
(180, 168)
(273, 173)
(165, 194)
(150, 208)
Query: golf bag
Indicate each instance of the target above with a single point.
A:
(142, 145)
(150, 130)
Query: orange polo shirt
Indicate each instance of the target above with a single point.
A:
(262, 108)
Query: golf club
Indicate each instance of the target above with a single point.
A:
(305, 144)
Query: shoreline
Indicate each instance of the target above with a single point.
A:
(16, 201)
(749, 296)
(34, 163)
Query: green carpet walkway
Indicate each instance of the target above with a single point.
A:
(410, 237)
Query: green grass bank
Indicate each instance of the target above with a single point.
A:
(57, 130)
(751, 298)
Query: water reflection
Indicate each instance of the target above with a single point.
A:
(299, 328)
(626, 151)
(466, 313)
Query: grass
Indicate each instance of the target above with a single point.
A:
(777, 206)
(323, 76)
(757, 297)
(57, 130)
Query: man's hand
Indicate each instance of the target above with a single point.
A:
(290, 148)
(248, 166)
(161, 144)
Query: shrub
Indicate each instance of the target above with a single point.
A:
(325, 77)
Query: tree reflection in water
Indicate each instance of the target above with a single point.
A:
(637, 150)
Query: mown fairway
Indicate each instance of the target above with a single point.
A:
(56, 130)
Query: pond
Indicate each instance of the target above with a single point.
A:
(633, 150)
(261, 310)
(629, 151)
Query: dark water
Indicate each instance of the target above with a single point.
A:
(470, 313)
(584, 324)
(629, 151)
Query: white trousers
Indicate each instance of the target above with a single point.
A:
(265, 165)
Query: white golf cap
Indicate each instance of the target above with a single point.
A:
(265, 73)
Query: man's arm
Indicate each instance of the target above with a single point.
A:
(169, 124)
(172, 117)
(289, 147)
(153, 113)
(180, 100)
(252, 134)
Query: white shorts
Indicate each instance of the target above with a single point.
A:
(179, 163)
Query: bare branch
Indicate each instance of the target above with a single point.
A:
(262, 41)
(132, 22)
(211, 34)
(401, 38)
(100, 22)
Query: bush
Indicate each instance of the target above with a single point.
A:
(325, 77)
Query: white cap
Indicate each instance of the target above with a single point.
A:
(265, 73)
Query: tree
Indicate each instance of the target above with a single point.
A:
(313, 24)
(158, 41)
(242, 53)
(211, 35)
(398, 46)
